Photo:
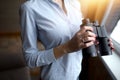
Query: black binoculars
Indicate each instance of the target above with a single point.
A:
(103, 47)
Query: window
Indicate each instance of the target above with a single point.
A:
(115, 35)
(113, 61)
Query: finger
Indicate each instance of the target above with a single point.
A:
(87, 28)
(111, 46)
(88, 44)
(88, 39)
(90, 34)
(96, 42)
(110, 40)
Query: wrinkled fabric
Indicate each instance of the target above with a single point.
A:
(45, 21)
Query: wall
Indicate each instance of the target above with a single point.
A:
(94, 9)
(9, 15)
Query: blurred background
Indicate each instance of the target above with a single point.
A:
(12, 64)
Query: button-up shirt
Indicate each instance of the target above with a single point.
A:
(44, 20)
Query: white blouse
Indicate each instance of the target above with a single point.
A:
(44, 20)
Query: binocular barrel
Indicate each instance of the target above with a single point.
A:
(91, 50)
(102, 48)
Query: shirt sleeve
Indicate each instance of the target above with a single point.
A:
(33, 56)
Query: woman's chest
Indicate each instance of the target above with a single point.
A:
(53, 25)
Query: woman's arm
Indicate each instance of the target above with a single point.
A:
(33, 56)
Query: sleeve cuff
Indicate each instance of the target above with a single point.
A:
(46, 58)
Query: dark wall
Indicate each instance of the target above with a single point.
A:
(9, 15)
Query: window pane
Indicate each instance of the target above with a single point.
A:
(116, 33)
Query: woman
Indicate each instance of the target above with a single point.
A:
(56, 23)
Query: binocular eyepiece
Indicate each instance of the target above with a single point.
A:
(102, 48)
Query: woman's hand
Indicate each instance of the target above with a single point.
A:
(82, 39)
(111, 44)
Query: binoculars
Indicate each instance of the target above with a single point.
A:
(103, 47)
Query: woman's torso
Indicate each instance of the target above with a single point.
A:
(54, 27)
